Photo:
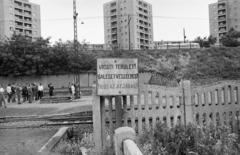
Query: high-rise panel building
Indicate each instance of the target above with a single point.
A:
(224, 15)
(128, 24)
(19, 17)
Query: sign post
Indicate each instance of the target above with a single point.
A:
(116, 78)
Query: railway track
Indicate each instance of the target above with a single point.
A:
(35, 121)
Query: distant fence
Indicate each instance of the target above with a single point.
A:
(218, 104)
(177, 45)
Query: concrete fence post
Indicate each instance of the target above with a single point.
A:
(97, 116)
(120, 135)
(188, 107)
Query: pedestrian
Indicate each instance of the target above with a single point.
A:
(30, 93)
(40, 91)
(72, 91)
(51, 88)
(18, 93)
(2, 98)
(9, 93)
(25, 93)
(13, 96)
(34, 91)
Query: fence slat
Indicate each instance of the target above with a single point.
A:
(111, 118)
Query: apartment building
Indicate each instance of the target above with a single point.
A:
(128, 24)
(19, 17)
(224, 15)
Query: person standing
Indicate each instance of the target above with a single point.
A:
(18, 93)
(72, 91)
(9, 93)
(30, 93)
(51, 88)
(25, 93)
(34, 91)
(2, 98)
(13, 95)
(40, 91)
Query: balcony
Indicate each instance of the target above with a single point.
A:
(222, 19)
(142, 4)
(221, 6)
(114, 17)
(222, 30)
(114, 31)
(114, 25)
(19, 30)
(18, 18)
(28, 32)
(28, 26)
(113, 4)
(143, 23)
(27, 13)
(114, 36)
(146, 36)
(18, 11)
(27, 6)
(18, 26)
(222, 24)
(220, 13)
(113, 11)
(17, 4)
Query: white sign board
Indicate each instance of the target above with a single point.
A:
(117, 77)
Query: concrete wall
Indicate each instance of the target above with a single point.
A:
(61, 81)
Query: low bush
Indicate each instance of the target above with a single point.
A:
(194, 140)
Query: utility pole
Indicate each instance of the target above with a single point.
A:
(129, 33)
(75, 44)
(184, 36)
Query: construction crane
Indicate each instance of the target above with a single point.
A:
(75, 44)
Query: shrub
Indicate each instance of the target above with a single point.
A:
(207, 140)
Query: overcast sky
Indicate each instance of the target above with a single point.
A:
(169, 19)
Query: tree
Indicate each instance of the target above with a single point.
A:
(205, 42)
(231, 39)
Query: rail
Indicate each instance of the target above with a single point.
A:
(54, 118)
(36, 121)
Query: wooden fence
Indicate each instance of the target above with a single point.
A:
(184, 104)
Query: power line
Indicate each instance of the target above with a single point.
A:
(101, 17)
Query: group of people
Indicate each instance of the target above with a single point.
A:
(20, 93)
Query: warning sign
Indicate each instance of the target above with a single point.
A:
(117, 77)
